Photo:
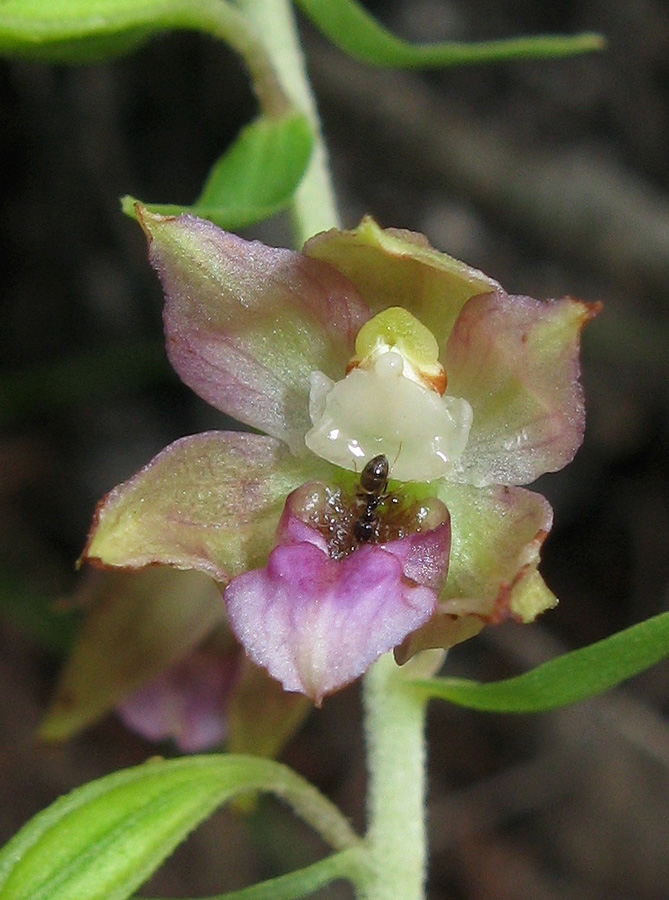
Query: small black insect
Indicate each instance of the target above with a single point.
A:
(372, 491)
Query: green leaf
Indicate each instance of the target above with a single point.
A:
(568, 679)
(353, 30)
(254, 179)
(104, 839)
(301, 882)
(74, 31)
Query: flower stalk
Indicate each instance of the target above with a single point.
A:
(396, 762)
(314, 207)
(226, 23)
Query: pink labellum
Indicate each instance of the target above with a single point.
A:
(317, 623)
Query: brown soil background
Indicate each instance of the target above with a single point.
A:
(553, 178)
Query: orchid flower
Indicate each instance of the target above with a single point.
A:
(368, 345)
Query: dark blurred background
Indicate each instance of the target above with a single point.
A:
(552, 177)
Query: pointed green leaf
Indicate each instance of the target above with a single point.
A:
(74, 31)
(353, 30)
(104, 839)
(568, 679)
(302, 882)
(254, 179)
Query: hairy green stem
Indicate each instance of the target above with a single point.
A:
(314, 207)
(396, 763)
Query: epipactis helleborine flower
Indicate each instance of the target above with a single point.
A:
(368, 349)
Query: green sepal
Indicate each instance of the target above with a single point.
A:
(567, 679)
(255, 178)
(104, 839)
(350, 28)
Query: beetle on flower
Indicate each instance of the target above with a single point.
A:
(367, 343)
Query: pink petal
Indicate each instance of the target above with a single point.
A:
(209, 502)
(316, 623)
(246, 323)
(186, 703)
(516, 360)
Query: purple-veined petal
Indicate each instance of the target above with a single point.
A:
(316, 623)
(209, 502)
(246, 324)
(187, 702)
(136, 625)
(516, 361)
(399, 268)
(496, 538)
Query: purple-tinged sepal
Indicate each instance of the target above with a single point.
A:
(208, 502)
(395, 267)
(516, 360)
(245, 323)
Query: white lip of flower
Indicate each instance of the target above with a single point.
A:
(384, 406)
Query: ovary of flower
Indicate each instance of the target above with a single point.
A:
(382, 407)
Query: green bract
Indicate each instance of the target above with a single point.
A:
(255, 178)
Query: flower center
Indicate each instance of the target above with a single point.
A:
(334, 512)
(391, 402)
